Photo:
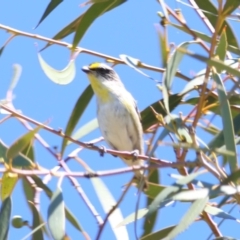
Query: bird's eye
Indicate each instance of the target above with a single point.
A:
(103, 71)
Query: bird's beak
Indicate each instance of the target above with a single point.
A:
(85, 69)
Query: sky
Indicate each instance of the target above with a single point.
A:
(128, 29)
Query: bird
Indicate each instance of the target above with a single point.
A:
(117, 114)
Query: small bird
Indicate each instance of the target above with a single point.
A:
(117, 113)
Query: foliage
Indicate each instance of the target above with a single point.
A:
(212, 93)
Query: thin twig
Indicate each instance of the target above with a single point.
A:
(84, 50)
(112, 210)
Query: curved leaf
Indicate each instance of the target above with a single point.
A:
(62, 77)
(19, 161)
(51, 6)
(217, 212)
(70, 217)
(205, 37)
(77, 112)
(149, 118)
(85, 129)
(107, 202)
(212, 16)
(161, 234)
(37, 222)
(190, 216)
(96, 10)
(56, 215)
(21, 143)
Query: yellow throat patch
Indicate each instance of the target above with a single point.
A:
(102, 92)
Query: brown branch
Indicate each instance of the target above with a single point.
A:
(84, 50)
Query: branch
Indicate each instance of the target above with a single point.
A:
(84, 50)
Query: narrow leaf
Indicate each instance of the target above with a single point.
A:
(5, 213)
(149, 118)
(228, 130)
(69, 215)
(229, 7)
(215, 63)
(173, 64)
(161, 234)
(62, 77)
(196, 208)
(17, 70)
(133, 63)
(205, 37)
(212, 15)
(19, 161)
(37, 221)
(132, 217)
(96, 10)
(21, 143)
(107, 202)
(51, 6)
(77, 112)
(9, 180)
(56, 215)
(85, 130)
(217, 212)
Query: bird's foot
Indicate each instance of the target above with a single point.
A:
(102, 150)
(135, 154)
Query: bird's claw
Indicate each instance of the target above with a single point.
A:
(102, 150)
(135, 154)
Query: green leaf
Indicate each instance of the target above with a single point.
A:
(215, 63)
(96, 10)
(18, 161)
(221, 49)
(229, 7)
(62, 77)
(149, 118)
(5, 213)
(17, 70)
(21, 143)
(161, 234)
(218, 140)
(191, 195)
(70, 28)
(29, 191)
(212, 14)
(85, 130)
(51, 6)
(107, 202)
(228, 130)
(9, 180)
(217, 212)
(131, 218)
(205, 37)
(37, 221)
(222, 46)
(70, 217)
(173, 64)
(133, 63)
(56, 215)
(194, 83)
(190, 216)
(1, 50)
(150, 222)
(163, 45)
(159, 200)
(76, 114)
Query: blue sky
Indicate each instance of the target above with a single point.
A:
(128, 29)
